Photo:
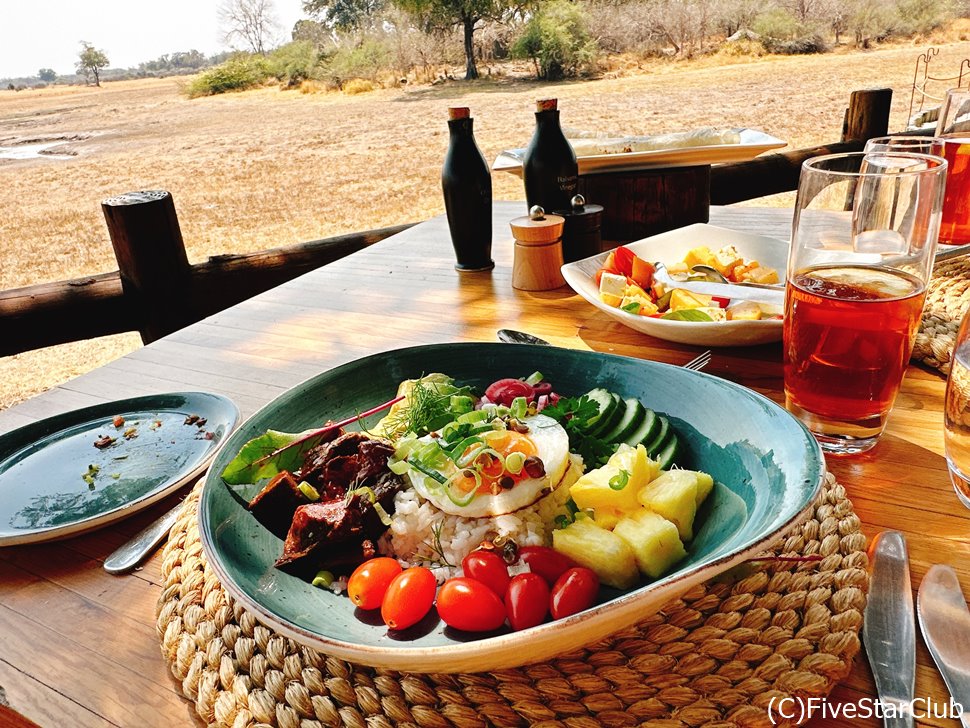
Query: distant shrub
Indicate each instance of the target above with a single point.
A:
(557, 40)
(742, 48)
(797, 46)
(777, 24)
(358, 86)
(367, 59)
(294, 63)
(238, 73)
(311, 87)
(921, 16)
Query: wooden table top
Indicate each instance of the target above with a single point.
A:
(78, 646)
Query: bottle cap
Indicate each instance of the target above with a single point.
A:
(458, 112)
(547, 104)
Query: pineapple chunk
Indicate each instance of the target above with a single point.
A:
(679, 298)
(679, 267)
(655, 542)
(727, 259)
(699, 256)
(761, 274)
(674, 496)
(741, 271)
(593, 490)
(744, 311)
(607, 517)
(598, 549)
(633, 290)
(610, 300)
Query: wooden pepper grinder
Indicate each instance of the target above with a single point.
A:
(538, 251)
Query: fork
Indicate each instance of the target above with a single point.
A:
(699, 362)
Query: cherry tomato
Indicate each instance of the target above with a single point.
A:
(489, 568)
(527, 601)
(408, 597)
(370, 580)
(469, 605)
(505, 390)
(623, 260)
(573, 592)
(546, 562)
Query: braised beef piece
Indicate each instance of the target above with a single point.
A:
(322, 530)
(276, 503)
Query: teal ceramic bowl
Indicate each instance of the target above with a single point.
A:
(767, 467)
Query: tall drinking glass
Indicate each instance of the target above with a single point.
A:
(863, 240)
(956, 415)
(953, 127)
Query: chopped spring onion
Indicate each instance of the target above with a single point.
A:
(362, 491)
(398, 467)
(470, 418)
(514, 462)
(462, 499)
(461, 403)
(534, 378)
(433, 474)
(309, 491)
(473, 457)
(382, 514)
(619, 481)
(323, 579)
(520, 407)
(456, 451)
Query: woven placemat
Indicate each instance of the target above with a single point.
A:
(947, 300)
(714, 658)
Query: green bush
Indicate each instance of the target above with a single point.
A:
(922, 16)
(557, 40)
(368, 59)
(239, 72)
(777, 24)
(294, 63)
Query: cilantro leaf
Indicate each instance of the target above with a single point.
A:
(576, 415)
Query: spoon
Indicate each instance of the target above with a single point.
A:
(511, 336)
(714, 275)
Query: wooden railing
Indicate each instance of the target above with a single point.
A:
(155, 291)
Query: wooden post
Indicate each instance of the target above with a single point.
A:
(154, 268)
(867, 115)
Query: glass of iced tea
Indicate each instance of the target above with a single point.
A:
(863, 240)
(953, 129)
(956, 415)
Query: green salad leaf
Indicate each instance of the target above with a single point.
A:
(686, 314)
(253, 463)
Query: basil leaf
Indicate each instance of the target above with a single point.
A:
(631, 307)
(686, 314)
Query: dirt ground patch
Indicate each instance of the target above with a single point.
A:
(267, 167)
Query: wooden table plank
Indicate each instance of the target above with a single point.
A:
(402, 291)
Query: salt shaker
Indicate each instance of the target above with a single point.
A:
(581, 236)
(538, 251)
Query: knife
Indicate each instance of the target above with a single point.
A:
(889, 628)
(945, 622)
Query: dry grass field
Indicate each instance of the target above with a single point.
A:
(267, 167)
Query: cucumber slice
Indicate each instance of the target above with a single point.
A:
(647, 430)
(661, 437)
(632, 418)
(669, 452)
(605, 424)
(607, 403)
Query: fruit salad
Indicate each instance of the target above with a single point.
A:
(628, 282)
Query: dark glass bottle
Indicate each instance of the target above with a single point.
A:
(549, 168)
(467, 186)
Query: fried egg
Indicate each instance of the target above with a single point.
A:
(545, 440)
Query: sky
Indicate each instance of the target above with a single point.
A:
(37, 34)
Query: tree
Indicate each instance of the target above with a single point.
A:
(48, 75)
(90, 62)
(253, 22)
(466, 13)
(345, 15)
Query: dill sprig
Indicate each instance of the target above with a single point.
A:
(436, 547)
(427, 407)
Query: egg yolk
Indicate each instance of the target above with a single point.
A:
(491, 470)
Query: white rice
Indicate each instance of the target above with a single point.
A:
(422, 535)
